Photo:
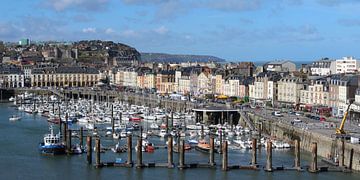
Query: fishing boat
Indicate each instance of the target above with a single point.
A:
(203, 146)
(52, 144)
(14, 118)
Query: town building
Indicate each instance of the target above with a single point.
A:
(280, 66)
(347, 65)
(11, 76)
(63, 76)
(323, 67)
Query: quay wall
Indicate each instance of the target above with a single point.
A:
(327, 146)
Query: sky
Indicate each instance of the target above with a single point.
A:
(236, 30)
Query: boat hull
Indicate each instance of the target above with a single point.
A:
(52, 149)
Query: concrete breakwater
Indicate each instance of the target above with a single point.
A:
(327, 146)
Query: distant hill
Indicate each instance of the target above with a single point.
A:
(161, 57)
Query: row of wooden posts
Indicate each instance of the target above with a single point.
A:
(182, 165)
(223, 146)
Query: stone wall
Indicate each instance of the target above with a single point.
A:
(327, 146)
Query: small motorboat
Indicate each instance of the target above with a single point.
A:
(162, 133)
(76, 149)
(193, 141)
(116, 135)
(119, 149)
(14, 118)
(135, 119)
(203, 146)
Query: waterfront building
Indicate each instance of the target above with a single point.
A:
(289, 88)
(264, 87)
(63, 76)
(217, 82)
(315, 93)
(347, 89)
(182, 80)
(165, 82)
(232, 86)
(204, 83)
(334, 82)
(11, 76)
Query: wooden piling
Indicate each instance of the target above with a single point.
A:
(68, 145)
(297, 154)
(269, 156)
(170, 152)
(342, 152)
(97, 149)
(120, 118)
(64, 133)
(259, 132)
(225, 156)
(182, 155)
(167, 124)
(112, 119)
(129, 150)
(351, 158)
(81, 137)
(313, 166)
(202, 131)
(172, 120)
(254, 147)
(221, 141)
(139, 163)
(212, 150)
(89, 149)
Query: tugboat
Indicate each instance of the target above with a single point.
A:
(52, 144)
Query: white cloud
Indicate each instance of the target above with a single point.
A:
(61, 5)
(161, 30)
(89, 30)
(109, 31)
(129, 33)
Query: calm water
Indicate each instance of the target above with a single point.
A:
(20, 159)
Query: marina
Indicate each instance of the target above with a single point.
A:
(113, 137)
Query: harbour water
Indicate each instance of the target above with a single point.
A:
(20, 159)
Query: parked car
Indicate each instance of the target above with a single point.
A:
(308, 115)
(297, 120)
(277, 113)
(291, 113)
(322, 119)
(317, 118)
(299, 113)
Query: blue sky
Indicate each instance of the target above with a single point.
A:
(257, 30)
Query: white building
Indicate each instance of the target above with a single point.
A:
(347, 65)
(323, 67)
